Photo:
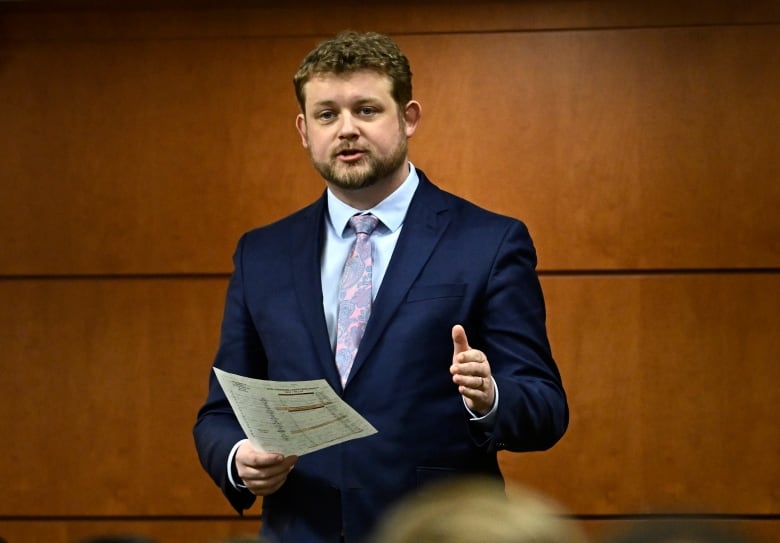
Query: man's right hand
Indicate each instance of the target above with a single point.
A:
(263, 473)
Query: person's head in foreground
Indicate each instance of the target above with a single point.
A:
(477, 510)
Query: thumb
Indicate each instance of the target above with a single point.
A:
(459, 341)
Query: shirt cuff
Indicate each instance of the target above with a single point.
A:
(231, 463)
(487, 419)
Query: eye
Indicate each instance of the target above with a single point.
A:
(325, 116)
(367, 111)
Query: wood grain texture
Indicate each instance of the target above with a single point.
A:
(160, 530)
(218, 530)
(140, 140)
(101, 383)
(671, 381)
(672, 388)
(621, 149)
(756, 531)
(134, 19)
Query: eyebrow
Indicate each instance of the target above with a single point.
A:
(359, 101)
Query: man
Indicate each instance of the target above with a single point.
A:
(454, 363)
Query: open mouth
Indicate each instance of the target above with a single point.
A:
(349, 155)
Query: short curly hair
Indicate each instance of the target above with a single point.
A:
(352, 51)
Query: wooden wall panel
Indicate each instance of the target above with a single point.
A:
(219, 530)
(98, 20)
(101, 383)
(651, 148)
(671, 382)
(145, 157)
(758, 531)
(672, 387)
(162, 531)
(139, 140)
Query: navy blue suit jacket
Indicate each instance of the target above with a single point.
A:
(454, 263)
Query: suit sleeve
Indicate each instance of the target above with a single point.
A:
(532, 410)
(240, 351)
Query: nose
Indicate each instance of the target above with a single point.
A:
(348, 128)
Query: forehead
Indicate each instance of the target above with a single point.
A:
(347, 87)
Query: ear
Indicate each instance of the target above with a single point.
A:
(412, 115)
(300, 124)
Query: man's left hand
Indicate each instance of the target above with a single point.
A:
(471, 372)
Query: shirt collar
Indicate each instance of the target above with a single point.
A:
(390, 211)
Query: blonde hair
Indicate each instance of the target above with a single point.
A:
(477, 510)
(352, 51)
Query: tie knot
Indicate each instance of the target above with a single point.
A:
(363, 224)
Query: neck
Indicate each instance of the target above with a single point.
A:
(368, 197)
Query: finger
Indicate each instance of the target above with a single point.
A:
(472, 381)
(251, 457)
(471, 393)
(267, 477)
(460, 342)
(276, 468)
(264, 487)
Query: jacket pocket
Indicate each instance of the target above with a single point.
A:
(431, 292)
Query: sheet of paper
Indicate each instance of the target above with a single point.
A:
(291, 417)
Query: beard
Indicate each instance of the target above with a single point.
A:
(366, 172)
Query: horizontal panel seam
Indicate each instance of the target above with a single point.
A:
(127, 518)
(209, 36)
(541, 272)
(660, 271)
(673, 516)
(255, 518)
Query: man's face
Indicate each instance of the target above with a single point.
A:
(354, 132)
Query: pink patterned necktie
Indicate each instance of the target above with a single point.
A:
(354, 295)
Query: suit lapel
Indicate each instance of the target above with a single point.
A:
(305, 265)
(424, 224)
